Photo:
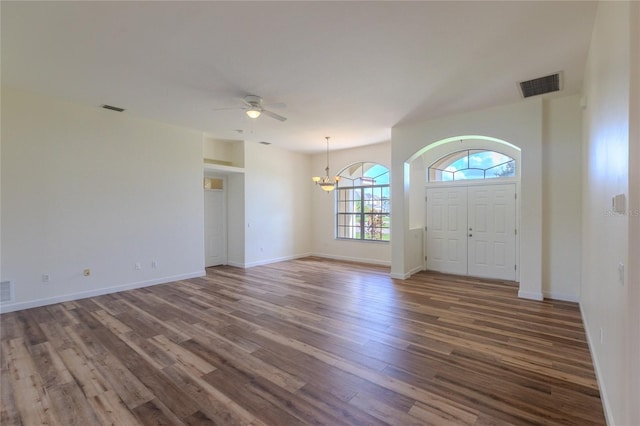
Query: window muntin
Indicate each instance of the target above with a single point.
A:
(472, 164)
(363, 203)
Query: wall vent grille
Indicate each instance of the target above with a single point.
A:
(540, 86)
(113, 108)
(6, 291)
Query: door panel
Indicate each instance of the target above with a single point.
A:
(491, 220)
(446, 230)
(215, 245)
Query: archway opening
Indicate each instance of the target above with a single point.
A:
(465, 164)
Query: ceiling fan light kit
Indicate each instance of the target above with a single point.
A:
(254, 108)
(325, 182)
(254, 112)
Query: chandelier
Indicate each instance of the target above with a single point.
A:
(326, 183)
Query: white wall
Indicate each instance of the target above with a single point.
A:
(561, 220)
(84, 187)
(633, 270)
(323, 207)
(608, 306)
(519, 124)
(277, 199)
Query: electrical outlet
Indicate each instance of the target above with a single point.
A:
(46, 278)
(138, 266)
(154, 264)
(86, 272)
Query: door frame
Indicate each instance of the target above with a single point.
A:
(478, 182)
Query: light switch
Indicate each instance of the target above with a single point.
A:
(621, 273)
(618, 203)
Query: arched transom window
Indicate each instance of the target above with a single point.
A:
(471, 164)
(363, 204)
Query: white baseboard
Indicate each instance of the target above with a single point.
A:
(300, 256)
(416, 270)
(274, 260)
(530, 295)
(96, 292)
(353, 259)
(407, 275)
(397, 276)
(606, 406)
(561, 296)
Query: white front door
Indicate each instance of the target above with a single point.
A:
(215, 244)
(492, 226)
(446, 230)
(471, 230)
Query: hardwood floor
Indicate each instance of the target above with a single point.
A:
(308, 341)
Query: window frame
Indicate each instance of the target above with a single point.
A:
(360, 221)
(436, 168)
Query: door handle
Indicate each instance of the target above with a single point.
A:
(470, 235)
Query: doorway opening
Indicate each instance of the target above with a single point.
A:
(471, 209)
(471, 230)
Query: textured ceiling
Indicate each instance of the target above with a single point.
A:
(349, 70)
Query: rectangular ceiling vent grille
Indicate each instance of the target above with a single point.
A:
(113, 108)
(540, 86)
(6, 291)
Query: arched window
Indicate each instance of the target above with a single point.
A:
(363, 203)
(471, 164)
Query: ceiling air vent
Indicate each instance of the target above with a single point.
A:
(113, 108)
(264, 143)
(540, 86)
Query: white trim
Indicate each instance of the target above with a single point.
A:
(416, 270)
(397, 276)
(354, 259)
(300, 256)
(530, 295)
(596, 366)
(561, 296)
(274, 260)
(97, 292)
(472, 182)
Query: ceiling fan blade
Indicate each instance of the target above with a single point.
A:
(274, 115)
(277, 105)
(227, 108)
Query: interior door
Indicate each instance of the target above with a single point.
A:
(492, 226)
(446, 230)
(215, 244)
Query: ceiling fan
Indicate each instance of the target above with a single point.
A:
(254, 108)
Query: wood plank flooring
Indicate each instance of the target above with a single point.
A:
(308, 341)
